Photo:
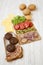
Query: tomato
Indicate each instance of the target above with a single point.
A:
(16, 27)
(30, 24)
(21, 26)
(26, 24)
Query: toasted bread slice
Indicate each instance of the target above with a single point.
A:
(18, 52)
(23, 39)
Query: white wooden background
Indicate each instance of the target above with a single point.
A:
(33, 52)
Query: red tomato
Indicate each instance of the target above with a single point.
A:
(30, 24)
(21, 26)
(26, 24)
(16, 27)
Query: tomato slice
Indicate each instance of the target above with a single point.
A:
(16, 27)
(30, 24)
(21, 26)
(26, 24)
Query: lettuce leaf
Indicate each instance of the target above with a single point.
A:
(18, 19)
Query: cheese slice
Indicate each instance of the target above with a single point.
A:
(8, 24)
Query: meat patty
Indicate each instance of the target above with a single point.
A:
(10, 48)
(8, 36)
(13, 40)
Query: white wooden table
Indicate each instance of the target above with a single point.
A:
(33, 52)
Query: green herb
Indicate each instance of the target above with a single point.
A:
(25, 30)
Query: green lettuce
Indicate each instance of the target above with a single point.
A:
(18, 19)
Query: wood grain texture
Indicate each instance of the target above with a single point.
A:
(33, 53)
